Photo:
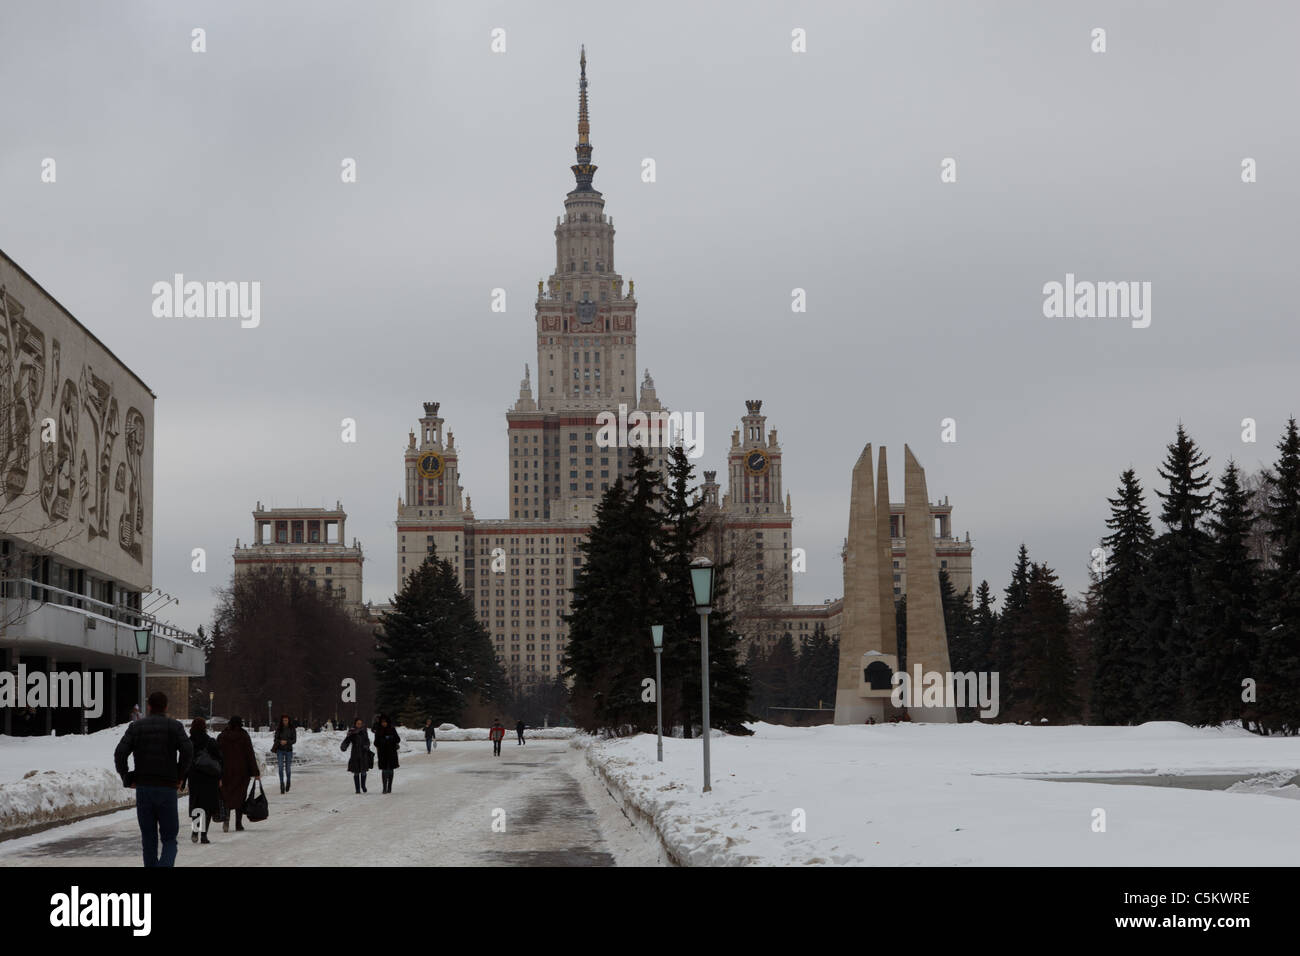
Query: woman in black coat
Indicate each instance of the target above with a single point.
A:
(205, 788)
(359, 761)
(386, 743)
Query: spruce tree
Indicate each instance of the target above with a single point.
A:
(1278, 667)
(1011, 634)
(984, 622)
(1122, 595)
(756, 666)
(817, 669)
(781, 672)
(1049, 666)
(1230, 599)
(682, 538)
(434, 650)
(1175, 625)
(617, 595)
(957, 621)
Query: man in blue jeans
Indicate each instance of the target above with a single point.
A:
(163, 754)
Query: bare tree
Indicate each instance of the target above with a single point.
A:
(1261, 548)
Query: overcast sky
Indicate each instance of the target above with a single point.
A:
(775, 170)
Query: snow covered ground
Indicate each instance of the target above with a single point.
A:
(891, 794)
(909, 794)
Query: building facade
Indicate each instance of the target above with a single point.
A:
(308, 542)
(76, 519)
(519, 571)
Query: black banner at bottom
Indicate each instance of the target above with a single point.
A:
(344, 904)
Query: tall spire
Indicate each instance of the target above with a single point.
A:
(583, 171)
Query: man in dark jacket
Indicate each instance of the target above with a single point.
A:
(162, 759)
(519, 732)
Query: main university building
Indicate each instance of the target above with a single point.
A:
(519, 571)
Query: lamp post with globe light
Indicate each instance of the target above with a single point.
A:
(702, 575)
(143, 640)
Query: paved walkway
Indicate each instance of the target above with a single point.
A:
(441, 813)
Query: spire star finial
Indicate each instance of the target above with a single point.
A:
(583, 170)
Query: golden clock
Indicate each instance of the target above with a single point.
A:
(756, 462)
(430, 465)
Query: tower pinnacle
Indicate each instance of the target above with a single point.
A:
(583, 171)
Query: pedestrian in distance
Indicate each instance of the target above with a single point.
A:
(387, 741)
(519, 732)
(286, 735)
(496, 735)
(359, 760)
(430, 736)
(162, 760)
(204, 780)
(238, 767)
(135, 713)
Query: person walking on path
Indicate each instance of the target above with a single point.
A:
(387, 740)
(496, 735)
(519, 732)
(359, 761)
(162, 760)
(135, 713)
(430, 736)
(238, 767)
(286, 735)
(204, 779)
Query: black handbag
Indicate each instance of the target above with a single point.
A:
(207, 765)
(256, 807)
(370, 760)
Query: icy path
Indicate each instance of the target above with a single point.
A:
(441, 813)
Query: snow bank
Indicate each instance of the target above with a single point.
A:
(952, 795)
(54, 796)
(57, 779)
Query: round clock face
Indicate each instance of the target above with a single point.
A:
(756, 462)
(430, 466)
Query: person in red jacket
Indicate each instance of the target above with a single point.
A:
(496, 734)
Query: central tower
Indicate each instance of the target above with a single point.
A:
(586, 325)
(586, 359)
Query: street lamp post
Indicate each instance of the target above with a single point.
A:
(657, 635)
(143, 638)
(702, 585)
(269, 724)
(211, 697)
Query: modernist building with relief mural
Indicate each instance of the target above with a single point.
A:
(519, 570)
(76, 517)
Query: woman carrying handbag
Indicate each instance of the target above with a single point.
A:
(238, 767)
